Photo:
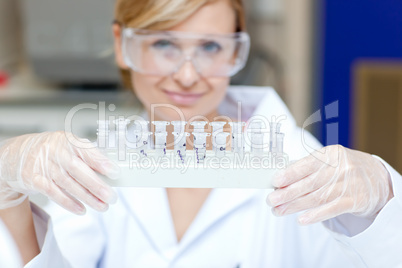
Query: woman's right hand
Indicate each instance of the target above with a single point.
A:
(49, 163)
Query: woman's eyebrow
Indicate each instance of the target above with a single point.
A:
(166, 33)
(169, 35)
(206, 40)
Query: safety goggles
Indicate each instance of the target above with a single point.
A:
(163, 53)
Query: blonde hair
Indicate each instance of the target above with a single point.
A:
(164, 14)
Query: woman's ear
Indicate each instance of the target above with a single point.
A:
(117, 46)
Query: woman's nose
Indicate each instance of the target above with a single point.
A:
(187, 75)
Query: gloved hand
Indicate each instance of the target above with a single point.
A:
(50, 164)
(331, 182)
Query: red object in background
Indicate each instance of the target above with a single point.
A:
(3, 79)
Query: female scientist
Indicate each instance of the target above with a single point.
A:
(182, 53)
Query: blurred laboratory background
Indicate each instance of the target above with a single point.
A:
(55, 54)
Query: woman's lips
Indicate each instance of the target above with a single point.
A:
(183, 98)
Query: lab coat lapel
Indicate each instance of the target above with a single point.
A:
(150, 208)
(219, 204)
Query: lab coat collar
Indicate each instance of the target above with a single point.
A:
(150, 208)
(256, 101)
(219, 204)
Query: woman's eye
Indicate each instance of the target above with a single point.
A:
(211, 47)
(163, 44)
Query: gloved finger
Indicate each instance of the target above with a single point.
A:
(98, 162)
(76, 190)
(325, 212)
(86, 177)
(296, 172)
(295, 190)
(311, 200)
(50, 189)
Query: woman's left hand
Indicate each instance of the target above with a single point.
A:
(331, 182)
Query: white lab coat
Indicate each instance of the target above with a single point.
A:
(9, 255)
(234, 228)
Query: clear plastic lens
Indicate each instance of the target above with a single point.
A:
(163, 53)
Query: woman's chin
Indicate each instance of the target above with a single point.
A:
(177, 114)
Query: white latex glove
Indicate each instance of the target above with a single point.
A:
(331, 182)
(49, 164)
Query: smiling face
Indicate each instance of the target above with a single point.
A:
(185, 89)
